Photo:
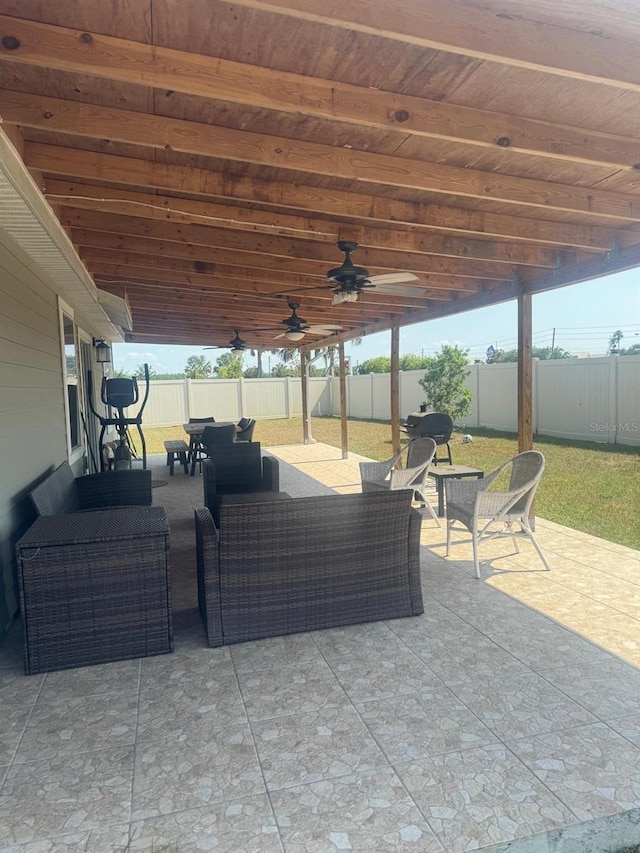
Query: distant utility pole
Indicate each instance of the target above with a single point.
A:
(553, 343)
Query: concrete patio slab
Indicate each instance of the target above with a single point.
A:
(502, 720)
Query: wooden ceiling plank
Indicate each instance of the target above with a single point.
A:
(261, 269)
(465, 28)
(375, 260)
(98, 268)
(358, 205)
(168, 209)
(64, 49)
(263, 283)
(151, 290)
(97, 122)
(582, 269)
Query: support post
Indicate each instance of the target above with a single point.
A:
(304, 378)
(343, 402)
(525, 373)
(395, 389)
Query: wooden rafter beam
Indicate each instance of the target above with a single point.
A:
(469, 29)
(274, 247)
(190, 137)
(261, 266)
(69, 50)
(391, 303)
(169, 209)
(98, 259)
(281, 195)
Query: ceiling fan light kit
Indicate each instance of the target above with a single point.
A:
(294, 336)
(340, 296)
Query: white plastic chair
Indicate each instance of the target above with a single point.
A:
(382, 476)
(478, 507)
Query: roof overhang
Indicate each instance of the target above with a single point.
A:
(30, 221)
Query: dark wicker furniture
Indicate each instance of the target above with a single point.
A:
(246, 427)
(94, 587)
(238, 469)
(60, 492)
(278, 567)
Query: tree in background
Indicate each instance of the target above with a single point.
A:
(198, 367)
(501, 356)
(382, 364)
(614, 342)
(379, 364)
(414, 362)
(632, 350)
(139, 372)
(228, 366)
(289, 362)
(444, 382)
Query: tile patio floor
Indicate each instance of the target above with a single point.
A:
(491, 717)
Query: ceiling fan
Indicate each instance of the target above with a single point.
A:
(236, 344)
(296, 328)
(348, 281)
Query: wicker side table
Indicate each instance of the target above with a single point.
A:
(94, 587)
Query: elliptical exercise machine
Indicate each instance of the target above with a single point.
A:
(119, 394)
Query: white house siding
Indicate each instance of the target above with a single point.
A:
(32, 413)
(32, 393)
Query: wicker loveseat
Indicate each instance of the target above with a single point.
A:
(61, 492)
(276, 567)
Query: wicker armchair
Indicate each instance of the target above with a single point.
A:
(285, 566)
(62, 493)
(384, 476)
(478, 507)
(238, 468)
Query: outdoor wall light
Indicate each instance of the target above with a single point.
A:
(103, 351)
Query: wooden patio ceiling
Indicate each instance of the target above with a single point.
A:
(206, 156)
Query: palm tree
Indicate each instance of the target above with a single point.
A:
(198, 367)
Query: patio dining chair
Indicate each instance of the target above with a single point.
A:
(479, 507)
(212, 436)
(384, 476)
(195, 440)
(246, 427)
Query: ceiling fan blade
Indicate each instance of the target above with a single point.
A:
(279, 336)
(323, 330)
(392, 278)
(399, 290)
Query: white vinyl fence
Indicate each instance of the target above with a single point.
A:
(596, 399)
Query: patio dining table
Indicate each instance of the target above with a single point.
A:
(198, 428)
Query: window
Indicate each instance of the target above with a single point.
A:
(71, 370)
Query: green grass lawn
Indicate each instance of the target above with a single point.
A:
(587, 486)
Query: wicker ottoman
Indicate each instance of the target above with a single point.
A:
(94, 587)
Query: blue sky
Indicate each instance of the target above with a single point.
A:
(583, 315)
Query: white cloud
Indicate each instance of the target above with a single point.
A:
(141, 357)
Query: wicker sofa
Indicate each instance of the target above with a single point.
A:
(276, 567)
(60, 492)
